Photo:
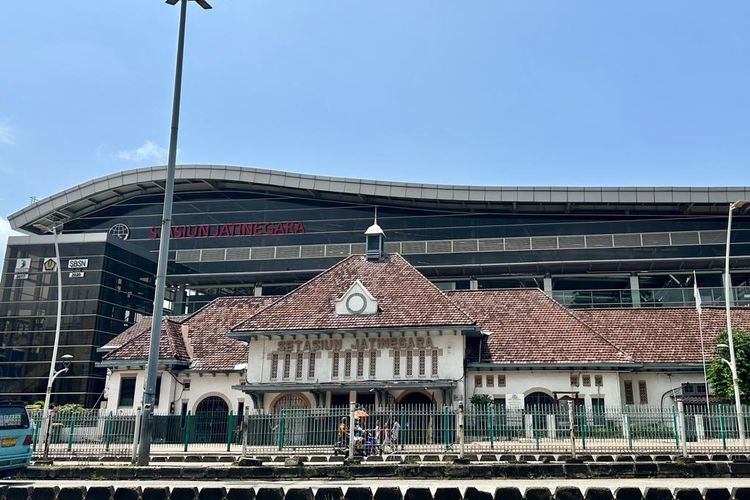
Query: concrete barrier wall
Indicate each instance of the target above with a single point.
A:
(365, 493)
(630, 469)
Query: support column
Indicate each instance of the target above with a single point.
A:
(635, 291)
(547, 283)
(179, 300)
(258, 289)
(731, 290)
(473, 284)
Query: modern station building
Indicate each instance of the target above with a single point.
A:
(251, 232)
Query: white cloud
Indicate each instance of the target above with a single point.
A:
(7, 136)
(5, 231)
(148, 151)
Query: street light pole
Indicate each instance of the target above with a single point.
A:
(56, 344)
(730, 336)
(144, 450)
(66, 359)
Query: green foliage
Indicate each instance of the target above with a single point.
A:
(719, 375)
(481, 400)
(69, 408)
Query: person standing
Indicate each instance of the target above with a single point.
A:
(395, 430)
(378, 432)
(343, 433)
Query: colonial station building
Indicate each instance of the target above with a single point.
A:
(240, 231)
(374, 330)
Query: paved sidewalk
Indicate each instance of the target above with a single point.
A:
(488, 485)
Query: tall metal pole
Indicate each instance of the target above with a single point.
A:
(144, 450)
(730, 336)
(53, 362)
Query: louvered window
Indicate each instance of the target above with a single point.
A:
(274, 366)
(348, 364)
(629, 392)
(335, 364)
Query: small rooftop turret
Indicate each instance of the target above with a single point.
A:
(375, 237)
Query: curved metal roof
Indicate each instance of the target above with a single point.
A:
(104, 191)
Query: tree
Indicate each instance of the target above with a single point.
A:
(481, 400)
(719, 375)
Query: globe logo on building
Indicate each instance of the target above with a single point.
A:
(120, 231)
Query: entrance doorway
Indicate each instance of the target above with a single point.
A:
(365, 399)
(211, 420)
(416, 417)
(339, 399)
(537, 399)
(292, 420)
(416, 398)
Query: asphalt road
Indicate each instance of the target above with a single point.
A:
(482, 484)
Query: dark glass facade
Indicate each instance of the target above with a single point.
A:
(216, 250)
(99, 301)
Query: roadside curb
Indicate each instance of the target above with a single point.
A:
(392, 469)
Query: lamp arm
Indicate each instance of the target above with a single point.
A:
(59, 372)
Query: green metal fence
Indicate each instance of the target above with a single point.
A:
(543, 429)
(407, 428)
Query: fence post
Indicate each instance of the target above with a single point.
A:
(107, 430)
(683, 434)
(446, 423)
(626, 427)
(72, 429)
(722, 429)
(404, 436)
(245, 425)
(582, 418)
(37, 428)
(47, 429)
(230, 422)
(490, 426)
(571, 428)
(186, 434)
(280, 429)
(136, 437)
(351, 429)
(675, 429)
(461, 440)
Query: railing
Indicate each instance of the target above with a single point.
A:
(649, 297)
(93, 433)
(487, 429)
(557, 429)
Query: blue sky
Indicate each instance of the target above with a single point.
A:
(476, 92)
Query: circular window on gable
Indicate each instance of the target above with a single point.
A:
(356, 303)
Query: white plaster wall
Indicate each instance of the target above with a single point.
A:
(659, 386)
(449, 345)
(207, 384)
(201, 386)
(525, 382)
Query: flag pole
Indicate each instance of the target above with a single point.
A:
(697, 295)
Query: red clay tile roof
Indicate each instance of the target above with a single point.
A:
(210, 349)
(133, 331)
(406, 298)
(207, 328)
(664, 334)
(529, 327)
(137, 339)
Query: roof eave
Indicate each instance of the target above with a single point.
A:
(563, 365)
(111, 363)
(469, 330)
